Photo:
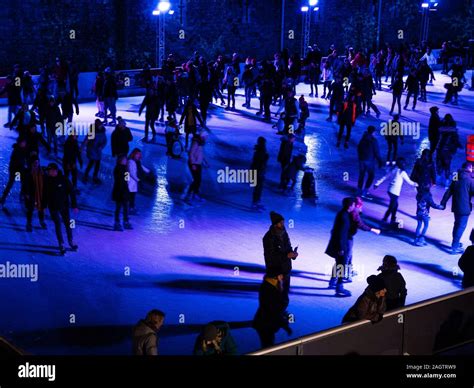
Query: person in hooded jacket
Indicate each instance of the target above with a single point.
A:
(145, 334)
(424, 172)
(433, 129)
(447, 146)
(72, 155)
(215, 340)
(424, 202)
(120, 138)
(58, 196)
(394, 283)
(152, 104)
(259, 164)
(53, 116)
(94, 149)
(369, 154)
(371, 305)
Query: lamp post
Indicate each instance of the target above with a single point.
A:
(307, 11)
(426, 8)
(162, 8)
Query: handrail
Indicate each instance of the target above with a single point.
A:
(345, 327)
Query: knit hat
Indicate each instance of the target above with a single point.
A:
(209, 332)
(375, 283)
(275, 217)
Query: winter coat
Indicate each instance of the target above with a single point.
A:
(448, 141)
(424, 201)
(227, 345)
(397, 177)
(96, 145)
(433, 129)
(276, 247)
(57, 192)
(424, 172)
(285, 152)
(368, 306)
(260, 159)
(110, 88)
(466, 263)
(396, 288)
(461, 190)
(356, 224)
(18, 160)
(339, 234)
(72, 153)
(348, 113)
(120, 139)
(271, 308)
(52, 116)
(368, 149)
(134, 169)
(412, 84)
(33, 141)
(120, 192)
(144, 340)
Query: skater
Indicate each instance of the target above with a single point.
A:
(462, 190)
(215, 340)
(369, 154)
(397, 176)
(72, 155)
(53, 116)
(190, 117)
(290, 173)
(304, 114)
(371, 305)
(412, 85)
(424, 201)
(110, 96)
(94, 149)
(121, 194)
(394, 283)
(23, 120)
(33, 191)
(259, 164)
(327, 78)
(151, 103)
(447, 146)
(13, 89)
(393, 134)
(145, 334)
(346, 119)
(368, 91)
(120, 138)
(270, 316)
(134, 167)
(397, 91)
(284, 156)
(338, 247)
(424, 172)
(58, 197)
(171, 134)
(196, 160)
(466, 264)
(231, 81)
(278, 253)
(433, 129)
(68, 104)
(98, 90)
(337, 98)
(17, 168)
(424, 73)
(291, 109)
(356, 224)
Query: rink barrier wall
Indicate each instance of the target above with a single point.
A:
(423, 328)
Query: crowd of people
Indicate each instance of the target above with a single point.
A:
(349, 81)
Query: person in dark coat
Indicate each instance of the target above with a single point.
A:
(412, 85)
(72, 155)
(447, 146)
(369, 153)
(338, 247)
(397, 90)
(41, 102)
(466, 263)
(462, 190)
(392, 139)
(394, 283)
(371, 305)
(346, 119)
(110, 96)
(33, 191)
(94, 149)
(145, 334)
(121, 194)
(215, 340)
(270, 316)
(284, 155)
(152, 104)
(24, 119)
(33, 140)
(259, 164)
(356, 224)
(17, 167)
(424, 202)
(424, 172)
(433, 128)
(58, 196)
(53, 116)
(120, 138)
(13, 89)
(278, 252)
(190, 118)
(68, 105)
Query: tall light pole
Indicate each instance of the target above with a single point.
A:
(379, 21)
(426, 8)
(161, 10)
(307, 11)
(282, 35)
